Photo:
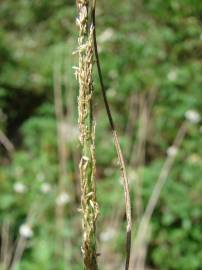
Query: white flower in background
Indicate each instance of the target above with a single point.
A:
(69, 132)
(132, 176)
(113, 74)
(19, 171)
(107, 235)
(45, 188)
(172, 151)
(111, 92)
(194, 158)
(40, 177)
(172, 75)
(193, 116)
(107, 35)
(63, 198)
(19, 187)
(26, 231)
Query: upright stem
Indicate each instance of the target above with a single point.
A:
(87, 136)
(62, 154)
(116, 143)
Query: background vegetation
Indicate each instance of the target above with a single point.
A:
(151, 53)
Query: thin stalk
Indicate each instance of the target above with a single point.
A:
(6, 245)
(6, 143)
(141, 240)
(62, 154)
(89, 206)
(116, 142)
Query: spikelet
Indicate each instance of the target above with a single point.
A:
(83, 74)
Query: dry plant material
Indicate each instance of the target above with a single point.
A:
(62, 155)
(4, 140)
(89, 206)
(141, 240)
(87, 41)
(116, 142)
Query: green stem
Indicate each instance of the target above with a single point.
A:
(87, 138)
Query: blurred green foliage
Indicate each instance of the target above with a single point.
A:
(145, 46)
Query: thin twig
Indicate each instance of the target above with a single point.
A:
(4, 140)
(116, 142)
(62, 153)
(142, 233)
(6, 247)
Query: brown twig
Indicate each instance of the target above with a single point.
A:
(6, 142)
(141, 241)
(116, 142)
